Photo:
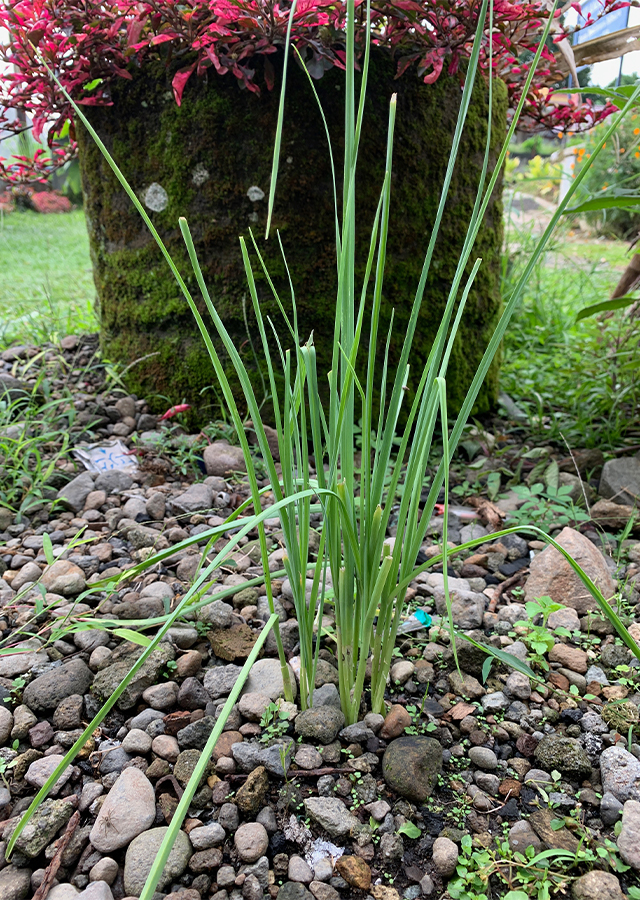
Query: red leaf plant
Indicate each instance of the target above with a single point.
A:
(88, 43)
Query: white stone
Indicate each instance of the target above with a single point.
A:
(255, 193)
(156, 198)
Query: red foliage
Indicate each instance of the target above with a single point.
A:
(49, 202)
(90, 42)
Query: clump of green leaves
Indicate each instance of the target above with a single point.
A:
(547, 507)
(526, 876)
(33, 438)
(539, 638)
(627, 676)
(274, 723)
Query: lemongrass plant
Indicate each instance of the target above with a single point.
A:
(369, 574)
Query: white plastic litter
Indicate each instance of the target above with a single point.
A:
(106, 457)
(320, 850)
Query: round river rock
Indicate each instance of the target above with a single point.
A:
(141, 856)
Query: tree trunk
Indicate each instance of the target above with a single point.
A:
(210, 161)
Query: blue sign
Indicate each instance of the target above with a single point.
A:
(613, 21)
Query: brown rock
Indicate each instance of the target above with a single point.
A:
(188, 664)
(540, 821)
(397, 719)
(610, 515)
(204, 860)
(570, 657)
(509, 788)
(233, 643)
(224, 744)
(551, 575)
(222, 459)
(176, 721)
(559, 681)
(355, 872)
(584, 460)
(250, 797)
(478, 559)
(95, 500)
(610, 692)
(425, 672)
(470, 571)
(64, 577)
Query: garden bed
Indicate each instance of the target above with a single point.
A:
(466, 770)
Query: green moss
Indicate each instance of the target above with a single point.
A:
(229, 133)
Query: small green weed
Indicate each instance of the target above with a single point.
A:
(526, 876)
(539, 638)
(274, 723)
(546, 508)
(33, 439)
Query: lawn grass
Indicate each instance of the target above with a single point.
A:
(46, 284)
(579, 382)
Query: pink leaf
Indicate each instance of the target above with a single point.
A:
(179, 81)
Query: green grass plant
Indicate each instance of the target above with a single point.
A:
(46, 282)
(29, 427)
(577, 381)
(369, 577)
(369, 574)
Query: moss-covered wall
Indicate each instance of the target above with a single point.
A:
(206, 155)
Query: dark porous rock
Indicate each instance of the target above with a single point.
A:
(250, 796)
(205, 860)
(192, 695)
(319, 724)
(567, 755)
(411, 765)
(293, 890)
(107, 680)
(185, 765)
(471, 659)
(289, 633)
(197, 733)
(49, 690)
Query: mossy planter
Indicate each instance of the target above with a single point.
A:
(210, 160)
